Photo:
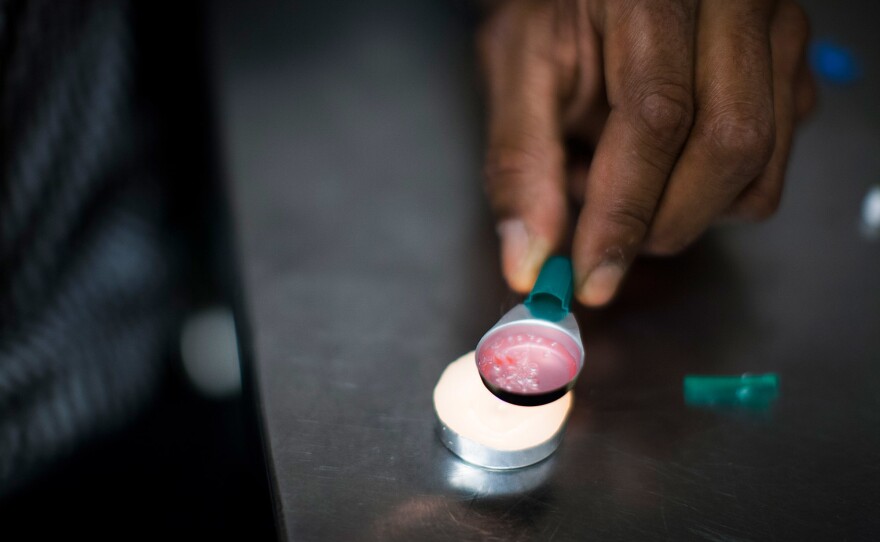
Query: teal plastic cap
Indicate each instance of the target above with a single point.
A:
(550, 299)
(746, 390)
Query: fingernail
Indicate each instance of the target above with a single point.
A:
(522, 254)
(601, 284)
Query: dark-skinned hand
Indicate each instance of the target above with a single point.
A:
(689, 108)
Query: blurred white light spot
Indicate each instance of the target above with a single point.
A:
(871, 213)
(209, 349)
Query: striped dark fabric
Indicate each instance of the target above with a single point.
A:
(86, 269)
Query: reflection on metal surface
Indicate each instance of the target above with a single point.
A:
(209, 350)
(870, 223)
(472, 479)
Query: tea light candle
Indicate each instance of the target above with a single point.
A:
(484, 430)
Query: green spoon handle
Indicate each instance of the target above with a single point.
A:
(554, 286)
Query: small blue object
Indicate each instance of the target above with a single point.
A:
(834, 63)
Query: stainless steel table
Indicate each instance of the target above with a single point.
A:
(368, 262)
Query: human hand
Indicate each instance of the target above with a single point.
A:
(690, 107)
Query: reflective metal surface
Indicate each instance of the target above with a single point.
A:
(369, 262)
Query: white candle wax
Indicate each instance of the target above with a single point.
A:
(464, 405)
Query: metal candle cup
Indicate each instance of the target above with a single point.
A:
(488, 432)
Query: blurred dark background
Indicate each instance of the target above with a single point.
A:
(182, 461)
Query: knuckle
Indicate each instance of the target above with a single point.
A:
(793, 24)
(743, 140)
(516, 25)
(504, 164)
(485, 43)
(514, 175)
(657, 14)
(665, 114)
(497, 33)
(632, 216)
(667, 238)
(760, 206)
(665, 245)
(489, 37)
(806, 102)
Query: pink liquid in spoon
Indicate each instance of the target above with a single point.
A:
(523, 362)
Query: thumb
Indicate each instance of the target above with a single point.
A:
(528, 197)
(525, 162)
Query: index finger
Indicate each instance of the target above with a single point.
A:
(649, 81)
